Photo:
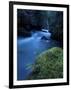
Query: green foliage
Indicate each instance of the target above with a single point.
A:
(49, 64)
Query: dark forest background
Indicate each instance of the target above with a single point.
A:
(32, 20)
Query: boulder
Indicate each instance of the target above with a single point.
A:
(44, 38)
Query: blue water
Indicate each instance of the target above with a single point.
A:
(28, 49)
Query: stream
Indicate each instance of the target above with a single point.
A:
(29, 48)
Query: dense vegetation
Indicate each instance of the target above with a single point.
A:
(31, 20)
(49, 64)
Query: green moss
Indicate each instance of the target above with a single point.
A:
(49, 64)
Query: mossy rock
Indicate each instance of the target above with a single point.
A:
(49, 64)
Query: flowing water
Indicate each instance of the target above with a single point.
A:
(29, 48)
